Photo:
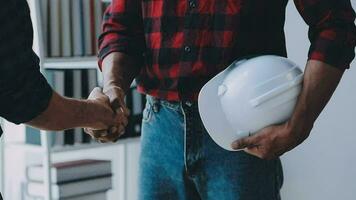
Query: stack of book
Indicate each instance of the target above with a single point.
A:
(71, 27)
(74, 180)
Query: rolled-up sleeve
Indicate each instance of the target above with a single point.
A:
(332, 31)
(24, 92)
(122, 29)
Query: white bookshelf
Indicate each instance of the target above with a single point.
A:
(89, 62)
(70, 148)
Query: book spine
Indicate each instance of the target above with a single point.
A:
(85, 94)
(92, 28)
(66, 28)
(77, 28)
(92, 83)
(98, 9)
(55, 37)
(58, 85)
(44, 16)
(69, 134)
(77, 93)
(87, 30)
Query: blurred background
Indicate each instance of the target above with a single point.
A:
(323, 167)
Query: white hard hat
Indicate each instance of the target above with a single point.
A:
(249, 95)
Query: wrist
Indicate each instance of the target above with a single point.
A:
(300, 123)
(87, 113)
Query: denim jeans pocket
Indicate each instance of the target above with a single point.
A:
(147, 113)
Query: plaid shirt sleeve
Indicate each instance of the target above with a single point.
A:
(332, 31)
(122, 29)
(24, 92)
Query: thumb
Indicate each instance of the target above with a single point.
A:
(245, 142)
(96, 93)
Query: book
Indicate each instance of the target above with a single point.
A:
(92, 196)
(87, 39)
(77, 28)
(58, 86)
(92, 83)
(92, 27)
(71, 189)
(92, 79)
(32, 136)
(68, 91)
(66, 28)
(77, 93)
(44, 21)
(98, 15)
(85, 94)
(63, 172)
(55, 37)
(135, 103)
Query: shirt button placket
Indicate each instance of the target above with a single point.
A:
(187, 47)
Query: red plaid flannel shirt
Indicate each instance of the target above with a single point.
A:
(184, 43)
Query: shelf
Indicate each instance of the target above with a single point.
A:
(70, 148)
(71, 63)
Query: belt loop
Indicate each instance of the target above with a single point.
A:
(156, 105)
(189, 103)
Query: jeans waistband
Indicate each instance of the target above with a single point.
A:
(175, 105)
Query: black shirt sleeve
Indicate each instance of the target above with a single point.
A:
(24, 92)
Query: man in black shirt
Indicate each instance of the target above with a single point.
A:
(25, 95)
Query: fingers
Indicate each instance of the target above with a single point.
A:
(269, 143)
(255, 145)
(96, 93)
(110, 128)
(263, 153)
(117, 96)
(105, 136)
(246, 142)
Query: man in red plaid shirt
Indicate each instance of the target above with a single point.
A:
(174, 47)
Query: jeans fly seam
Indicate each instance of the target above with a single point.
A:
(185, 138)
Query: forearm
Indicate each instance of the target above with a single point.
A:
(320, 82)
(64, 113)
(119, 70)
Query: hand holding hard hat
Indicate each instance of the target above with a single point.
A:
(248, 96)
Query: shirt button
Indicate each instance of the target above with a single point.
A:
(192, 4)
(187, 49)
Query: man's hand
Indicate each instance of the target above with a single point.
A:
(320, 81)
(119, 71)
(106, 128)
(273, 141)
(117, 101)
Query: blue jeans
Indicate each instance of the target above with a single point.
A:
(180, 161)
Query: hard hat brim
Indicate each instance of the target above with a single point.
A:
(212, 115)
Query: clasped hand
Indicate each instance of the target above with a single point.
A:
(111, 114)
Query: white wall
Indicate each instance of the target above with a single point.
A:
(324, 167)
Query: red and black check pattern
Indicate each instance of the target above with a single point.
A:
(184, 43)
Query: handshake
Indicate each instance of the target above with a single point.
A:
(109, 114)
